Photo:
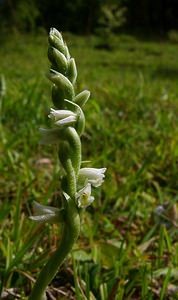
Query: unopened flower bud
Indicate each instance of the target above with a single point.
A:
(64, 85)
(58, 59)
(72, 71)
(82, 98)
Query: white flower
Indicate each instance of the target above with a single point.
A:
(45, 213)
(94, 176)
(84, 197)
(49, 136)
(62, 116)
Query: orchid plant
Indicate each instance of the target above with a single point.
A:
(68, 123)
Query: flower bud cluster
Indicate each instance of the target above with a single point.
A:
(68, 122)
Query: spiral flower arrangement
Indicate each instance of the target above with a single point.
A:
(68, 122)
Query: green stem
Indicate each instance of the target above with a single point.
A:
(75, 148)
(70, 178)
(70, 234)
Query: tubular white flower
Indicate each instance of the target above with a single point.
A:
(62, 117)
(49, 136)
(94, 176)
(45, 213)
(84, 197)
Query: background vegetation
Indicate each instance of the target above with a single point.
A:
(128, 246)
(154, 17)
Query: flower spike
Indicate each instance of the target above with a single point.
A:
(68, 123)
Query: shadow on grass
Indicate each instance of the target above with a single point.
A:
(163, 72)
(166, 72)
(119, 65)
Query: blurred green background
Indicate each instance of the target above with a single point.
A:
(84, 16)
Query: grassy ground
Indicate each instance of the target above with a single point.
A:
(127, 249)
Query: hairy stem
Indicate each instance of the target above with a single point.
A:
(70, 178)
(75, 148)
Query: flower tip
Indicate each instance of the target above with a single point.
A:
(66, 196)
(54, 31)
